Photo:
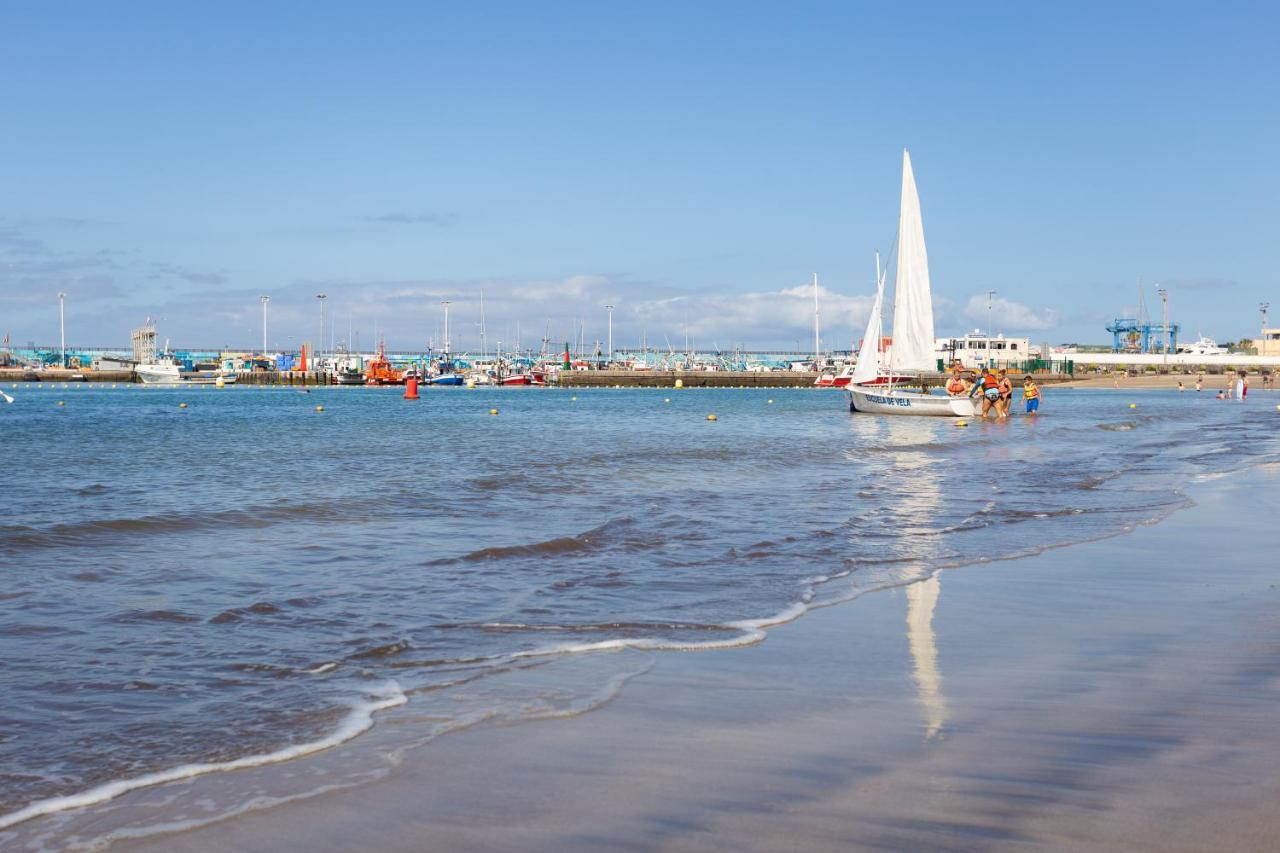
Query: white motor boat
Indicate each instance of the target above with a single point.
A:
(875, 386)
(1203, 346)
(159, 373)
(169, 372)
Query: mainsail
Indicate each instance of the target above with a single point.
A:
(912, 303)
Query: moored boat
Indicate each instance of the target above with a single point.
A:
(874, 385)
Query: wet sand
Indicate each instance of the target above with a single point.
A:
(1116, 695)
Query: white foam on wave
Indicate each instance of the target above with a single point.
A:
(324, 667)
(359, 720)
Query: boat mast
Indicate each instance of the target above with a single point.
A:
(880, 283)
(817, 346)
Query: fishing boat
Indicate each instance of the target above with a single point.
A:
(876, 385)
(380, 371)
(447, 379)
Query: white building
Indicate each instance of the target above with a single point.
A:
(979, 350)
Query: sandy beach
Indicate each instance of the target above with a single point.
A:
(1211, 383)
(1113, 695)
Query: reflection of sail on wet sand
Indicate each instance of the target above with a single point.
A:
(914, 503)
(921, 599)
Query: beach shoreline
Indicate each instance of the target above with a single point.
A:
(1106, 695)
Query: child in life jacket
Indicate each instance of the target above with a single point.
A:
(1031, 393)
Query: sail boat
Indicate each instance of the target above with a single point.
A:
(872, 388)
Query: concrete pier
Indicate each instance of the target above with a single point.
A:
(723, 379)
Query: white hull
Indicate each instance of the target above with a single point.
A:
(158, 374)
(880, 401)
(169, 374)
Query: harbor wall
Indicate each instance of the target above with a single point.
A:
(723, 379)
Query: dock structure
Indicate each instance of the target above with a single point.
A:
(724, 378)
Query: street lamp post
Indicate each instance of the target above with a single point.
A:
(265, 300)
(320, 343)
(1262, 307)
(990, 299)
(62, 330)
(609, 308)
(1164, 310)
(446, 329)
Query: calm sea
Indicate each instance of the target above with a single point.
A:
(247, 579)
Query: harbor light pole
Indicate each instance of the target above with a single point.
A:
(315, 356)
(265, 300)
(1262, 307)
(446, 329)
(609, 308)
(62, 329)
(1164, 311)
(990, 297)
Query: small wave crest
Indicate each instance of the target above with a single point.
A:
(359, 720)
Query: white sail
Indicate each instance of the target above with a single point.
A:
(868, 366)
(912, 301)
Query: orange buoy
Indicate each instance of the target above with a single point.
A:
(411, 388)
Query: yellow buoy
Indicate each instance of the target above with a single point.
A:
(493, 411)
(571, 399)
(1133, 405)
(319, 408)
(679, 383)
(771, 402)
(182, 405)
(61, 403)
(471, 383)
(219, 383)
(962, 423)
(711, 417)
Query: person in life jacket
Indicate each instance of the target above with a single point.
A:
(1031, 393)
(1006, 394)
(956, 386)
(989, 387)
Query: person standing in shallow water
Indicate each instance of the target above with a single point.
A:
(989, 387)
(1031, 393)
(1006, 395)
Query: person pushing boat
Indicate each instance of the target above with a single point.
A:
(989, 387)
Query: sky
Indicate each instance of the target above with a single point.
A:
(691, 164)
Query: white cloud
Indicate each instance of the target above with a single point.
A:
(1009, 317)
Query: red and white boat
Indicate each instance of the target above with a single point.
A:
(835, 380)
(533, 377)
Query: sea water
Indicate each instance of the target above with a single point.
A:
(247, 580)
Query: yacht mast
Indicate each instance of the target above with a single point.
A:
(817, 346)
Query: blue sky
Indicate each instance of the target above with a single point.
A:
(691, 163)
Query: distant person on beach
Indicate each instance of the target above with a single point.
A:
(1199, 382)
(1222, 395)
(989, 387)
(1242, 386)
(1031, 393)
(1180, 388)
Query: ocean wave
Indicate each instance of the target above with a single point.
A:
(359, 720)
